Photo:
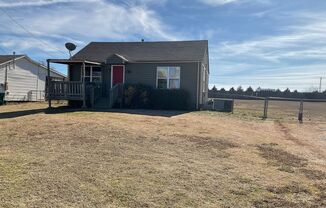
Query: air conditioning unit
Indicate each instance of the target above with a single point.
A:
(223, 105)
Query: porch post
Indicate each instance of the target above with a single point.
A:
(48, 83)
(84, 85)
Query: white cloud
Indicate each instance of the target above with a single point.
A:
(224, 2)
(218, 2)
(78, 23)
(295, 57)
(26, 3)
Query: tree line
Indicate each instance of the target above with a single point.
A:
(260, 92)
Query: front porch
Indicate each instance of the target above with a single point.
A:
(87, 85)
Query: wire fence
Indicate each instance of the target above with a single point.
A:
(281, 109)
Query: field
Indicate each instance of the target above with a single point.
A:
(130, 158)
(282, 110)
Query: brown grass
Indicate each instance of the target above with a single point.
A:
(67, 158)
(281, 157)
(282, 110)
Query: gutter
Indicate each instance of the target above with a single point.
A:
(198, 88)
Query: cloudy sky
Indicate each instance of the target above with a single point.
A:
(267, 43)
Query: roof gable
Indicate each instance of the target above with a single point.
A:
(8, 58)
(145, 51)
(5, 59)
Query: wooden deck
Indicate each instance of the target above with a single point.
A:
(65, 90)
(79, 91)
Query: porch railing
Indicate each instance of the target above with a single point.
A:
(64, 90)
(116, 94)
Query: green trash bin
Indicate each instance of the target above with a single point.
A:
(2, 98)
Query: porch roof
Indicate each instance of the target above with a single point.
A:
(70, 61)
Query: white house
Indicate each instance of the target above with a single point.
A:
(25, 78)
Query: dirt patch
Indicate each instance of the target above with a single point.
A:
(292, 195)
(287, 134)
(314, 174)
(293, 188)
(280, 157)
(273, 202)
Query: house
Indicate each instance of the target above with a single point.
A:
(104, 66)
(23, 78)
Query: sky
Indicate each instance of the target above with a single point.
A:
(258, 43)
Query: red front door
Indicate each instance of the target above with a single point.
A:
(117, 74)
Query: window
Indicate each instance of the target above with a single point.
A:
(93, 74)
(168, 77)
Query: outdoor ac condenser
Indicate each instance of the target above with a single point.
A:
(223, 105)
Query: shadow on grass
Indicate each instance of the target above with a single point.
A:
(66, 109)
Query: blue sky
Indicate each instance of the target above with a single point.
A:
(267, 43)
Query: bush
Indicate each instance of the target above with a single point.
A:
(136, 96)
(174, 99)
(145, 97)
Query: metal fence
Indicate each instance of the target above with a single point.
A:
(36, 95)
(281, 109)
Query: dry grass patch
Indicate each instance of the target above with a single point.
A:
(314, 174)
(154, 159)
(293, 195)
(285, 160)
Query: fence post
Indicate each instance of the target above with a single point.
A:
(300, 116)
(232, 107)
(265, 108)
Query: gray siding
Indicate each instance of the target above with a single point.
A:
(204, 79)
(106, 79)
(145, 73)
(75, 72)
(114, 59)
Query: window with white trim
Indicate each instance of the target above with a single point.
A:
(93, 74)
(168, 77)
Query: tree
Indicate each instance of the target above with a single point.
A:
(278, 93)
(239, 90)
(249, 91)
(214, 89)
(222, 90)
(232, 90)
(287, 92)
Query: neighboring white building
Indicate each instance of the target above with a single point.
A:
(25, 78)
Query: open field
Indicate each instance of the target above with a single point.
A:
(66, 158)
(282, 110)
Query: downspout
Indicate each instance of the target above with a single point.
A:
(198, 79)
(37, 78)
(48, 83)
(6, 78)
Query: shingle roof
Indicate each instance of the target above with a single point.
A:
(6, 58)
(145, 51)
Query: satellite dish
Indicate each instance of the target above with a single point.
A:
(70, 47)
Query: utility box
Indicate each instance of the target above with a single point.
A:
(223, 105)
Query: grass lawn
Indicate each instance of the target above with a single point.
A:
(132, 158)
